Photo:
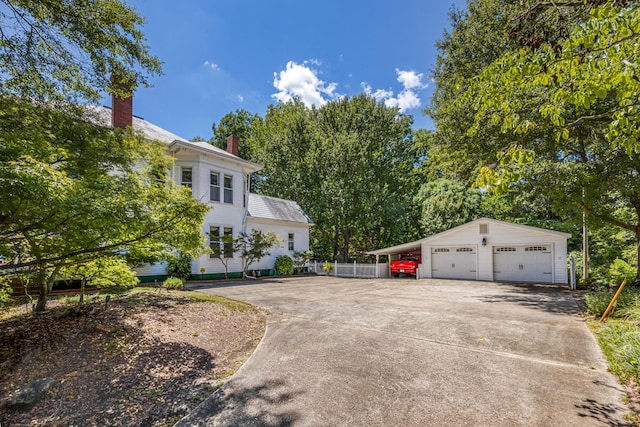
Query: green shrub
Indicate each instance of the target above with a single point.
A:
(5, 292)
(598, 301)
(327, 267)
(180, 267)
(620, 270)
(284, 265)
(174, 283)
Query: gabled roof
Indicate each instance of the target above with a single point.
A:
(208, 149)
(102, 116)
(276, 209)
(407, 247)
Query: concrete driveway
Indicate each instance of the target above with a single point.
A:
(401, 352)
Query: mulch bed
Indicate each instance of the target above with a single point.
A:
(142, 360)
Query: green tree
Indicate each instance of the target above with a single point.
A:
(446, 204)
(349, 164)
(72, 192)
(67, 49)
(218, 250)
(101, 272)
(240, 124)
(254, 246)
(555, 106)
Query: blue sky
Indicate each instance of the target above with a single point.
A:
(224, 55)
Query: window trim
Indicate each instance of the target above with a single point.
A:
(215, 242)
(183, 169)
(227, 247)
(227, 191)
(212, 187)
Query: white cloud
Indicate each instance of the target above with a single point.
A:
(299, 80)
(211, 65)
(379, 94)
(410, 79)
(407, 98)
(240, 98)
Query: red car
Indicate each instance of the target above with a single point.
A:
(408, 264)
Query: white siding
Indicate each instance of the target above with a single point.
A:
(282, 229)
(155, 269)
(499, 234)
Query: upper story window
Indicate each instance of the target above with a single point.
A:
(228, 189)
(214, 189)
(291, 241)
(186, 177)
(245, 184)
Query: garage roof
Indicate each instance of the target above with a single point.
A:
(417, 245)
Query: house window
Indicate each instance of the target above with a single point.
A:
(228, 242)
(244, 191)
(290, 241)
(214, 241)
(186, 177)
(228, 189)
(214, 187)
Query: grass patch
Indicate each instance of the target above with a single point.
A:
(619, 336)
(140, 294)
(598, 301)
(217, 299)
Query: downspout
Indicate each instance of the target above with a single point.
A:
(244, 216)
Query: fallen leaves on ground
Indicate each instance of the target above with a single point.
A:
(143, 360)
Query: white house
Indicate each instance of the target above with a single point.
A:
(221, 179)
(491, 250)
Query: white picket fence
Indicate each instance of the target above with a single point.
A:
(359, 270)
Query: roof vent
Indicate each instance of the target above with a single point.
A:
(484, 228)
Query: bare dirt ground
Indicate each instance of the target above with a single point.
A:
(145, 359)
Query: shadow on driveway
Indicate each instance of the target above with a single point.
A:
(550, 298)
(247, 406)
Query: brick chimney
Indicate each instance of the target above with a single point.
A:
(121, 109)
(232, 144)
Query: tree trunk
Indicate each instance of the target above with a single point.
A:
(43, 294)
(345, 249)
(637, 282)
(82, 288)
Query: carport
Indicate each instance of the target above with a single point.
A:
(394, 252)
(490, 250)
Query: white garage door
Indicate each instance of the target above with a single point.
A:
(523, 263)
(453, 263)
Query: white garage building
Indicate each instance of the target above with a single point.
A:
(491, 250)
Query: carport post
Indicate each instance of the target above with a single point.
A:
(377, 267)
(355, 271)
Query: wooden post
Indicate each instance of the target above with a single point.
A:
(613, 302)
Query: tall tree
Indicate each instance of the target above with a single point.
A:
(72, 192)
(348, 163)
(446, 204)
(557, 108)
(240, 124)
(67, 49)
